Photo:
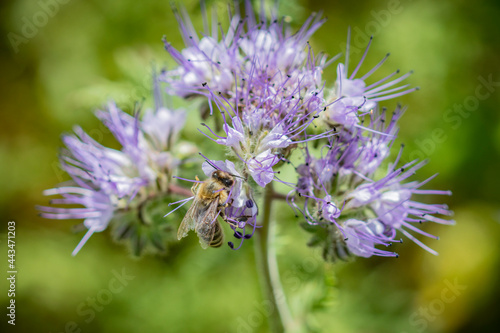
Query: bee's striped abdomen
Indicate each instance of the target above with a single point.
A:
(218, 236)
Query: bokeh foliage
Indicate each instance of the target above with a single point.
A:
(91, 51)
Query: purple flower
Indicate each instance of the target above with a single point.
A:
(109, 170)
(393, 202)
(329, 211)
(259, 154)
(382, 208)
(264, 127)
(268, 89)
(107, 180)
(261, 167)
(345, 111)
(201, 62)
(126, 129)
(351, 95)
(362, 237)
(98, 211)
(250, 47)
(276, 89)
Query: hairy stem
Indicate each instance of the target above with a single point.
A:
(280, 316)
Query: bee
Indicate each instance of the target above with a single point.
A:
(210, 199)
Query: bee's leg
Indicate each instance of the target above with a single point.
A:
(229, 203)
(223, 215)
(225, 202)
(194, 188)
(232, 223)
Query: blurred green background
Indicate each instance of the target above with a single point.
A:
(90, 51)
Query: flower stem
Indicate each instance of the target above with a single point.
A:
(176, 189)
(280, 316)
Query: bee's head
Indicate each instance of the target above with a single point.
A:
(223, 177)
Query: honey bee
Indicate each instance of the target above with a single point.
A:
(210, 199)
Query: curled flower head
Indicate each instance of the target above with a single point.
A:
(109, 182)
(363, 236)
(252, 46)
(383, 209)
(96, 214)
(355, 97)
(276, 88)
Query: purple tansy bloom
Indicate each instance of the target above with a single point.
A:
(160, 129)
(250, 48)
(204, 60)
(344, 112)
(201, 62)
(272, 47)
(276, 91)
(391, 201)
(259, 158)
(344, 172)
(353, 95)
(98, 211)
(268, 107)
(235, 135)
(362, 237)
(374, 147)
(329, 211)
(110, 170)
(125, 129)
(264, 126)
(104, 175)
(315, 177)
(261, 167)
(318, 173)
(109, 180)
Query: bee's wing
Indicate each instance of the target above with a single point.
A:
(189, 221)
(205, 226)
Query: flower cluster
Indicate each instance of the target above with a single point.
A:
(263, 87)
(107, 182)
(264, 80)
(267, 85)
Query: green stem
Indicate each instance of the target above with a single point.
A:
(280, 316)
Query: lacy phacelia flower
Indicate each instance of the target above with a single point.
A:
(275, 89)
(98, 211)
(252, 47)
(391, 202)
(361, 238)
(268, 109)
(267, 113)
(108, 181)
(381, 208)
(354, 95)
